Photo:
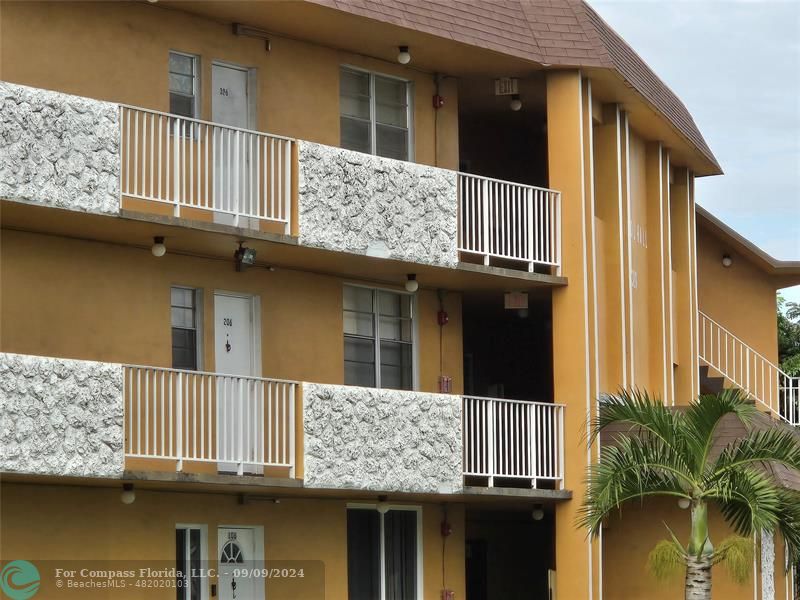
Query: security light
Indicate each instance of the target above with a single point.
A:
(404, 56)
(516, 103)
(412, 285)
(244, 256)
(158, 248)
(128, 495)
(727, 261)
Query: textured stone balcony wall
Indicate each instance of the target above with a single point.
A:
(381, 440)
(60, 417)
(373, 206)
(59, 150)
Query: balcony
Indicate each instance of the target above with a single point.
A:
(102, 158)
(90, 419)
(205, 170)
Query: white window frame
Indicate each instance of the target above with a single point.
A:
(204, 591)
(388, 507)
(195, 81)
(198, 316)
(372, 111)
(376, 336)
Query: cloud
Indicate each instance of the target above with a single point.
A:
(735, 65)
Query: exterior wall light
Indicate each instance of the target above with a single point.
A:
(158, 248)
(727, 261)
(538, 512)
(412, 285)
(128, 495)
(516, 103)
(684, 503)
(403, 56)
(244, 256)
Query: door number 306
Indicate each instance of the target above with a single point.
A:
(224, 91)
(227, 321)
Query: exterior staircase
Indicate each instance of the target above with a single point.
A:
(725, 361)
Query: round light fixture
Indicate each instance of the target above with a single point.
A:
(158, 248)
(727, 261)
(516, 103)
(412, 285)
(128, 495)
(684, 503)
(538, 513)
(403, 56)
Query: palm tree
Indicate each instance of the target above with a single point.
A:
(669, 452)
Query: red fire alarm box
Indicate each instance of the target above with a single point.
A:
(448, 595)
(445, 384)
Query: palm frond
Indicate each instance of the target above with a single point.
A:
(736, 553)
(643, 412)
(748, 499)
(666, 560)
(774, 445)
(632, 468)
(789, 523)
(704, 415)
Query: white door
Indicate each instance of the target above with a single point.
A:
(230, 105)
(239, 399)
(237, 553)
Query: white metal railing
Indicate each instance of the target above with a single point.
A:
(241, 423)
(746, 368)
(510, 221)
(513, 439)
(235, 173)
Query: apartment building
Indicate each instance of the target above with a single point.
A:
(333, 287)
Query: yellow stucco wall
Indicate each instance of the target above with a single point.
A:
(741, 297)
(119, 52)
(93, 301)
(68, 523)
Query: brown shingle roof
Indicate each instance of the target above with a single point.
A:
(555, 32)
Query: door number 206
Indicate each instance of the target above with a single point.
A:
(227, 321)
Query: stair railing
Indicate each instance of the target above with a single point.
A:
(749, 370)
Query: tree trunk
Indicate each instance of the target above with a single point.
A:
(698, 578)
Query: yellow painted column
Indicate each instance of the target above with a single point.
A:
(573, 357)
(611, 249)
(656, 292)
(681, 213)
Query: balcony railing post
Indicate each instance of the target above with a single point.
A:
(534, 443)
(291, 427)
(240, 445)
(490, 427)
(486, 246)
(532, 232)
(176, 167)
(557, 233)
(287, 185)
(560, 450)
(179, 421)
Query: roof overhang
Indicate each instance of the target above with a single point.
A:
(785, 272)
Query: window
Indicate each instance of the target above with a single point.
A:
(185, 325)
(378, 338)
(190, 550)
(183, 88)
(382, 554)
(375, 114)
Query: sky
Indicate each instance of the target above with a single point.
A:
(736, 66)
